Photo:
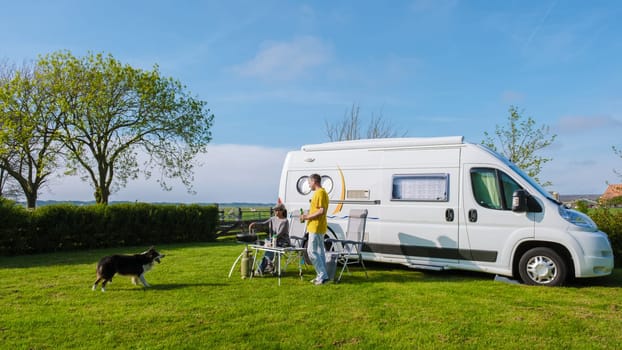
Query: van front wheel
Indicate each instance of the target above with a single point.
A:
(542, 267)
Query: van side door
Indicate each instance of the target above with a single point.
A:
(492, 228)
(420, 217)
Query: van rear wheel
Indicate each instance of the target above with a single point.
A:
(542, 267)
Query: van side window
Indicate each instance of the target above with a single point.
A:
(493, 188)
(509, 186)
(421, 187)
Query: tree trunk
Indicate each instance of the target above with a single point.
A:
(101, 195)
(31, 199)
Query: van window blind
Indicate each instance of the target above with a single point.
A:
(421, 187)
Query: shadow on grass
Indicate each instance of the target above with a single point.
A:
(614, 281)
(173, 286)
(385, 272)
(51, 259)
(90, 256)
(163, 287)
(378, 271)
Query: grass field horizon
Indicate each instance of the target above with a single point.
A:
(48, 304)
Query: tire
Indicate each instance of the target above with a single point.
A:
(329, 234)
(542, 267)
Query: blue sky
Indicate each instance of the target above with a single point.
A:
(274, 72)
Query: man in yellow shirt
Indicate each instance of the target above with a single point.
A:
(316, 227)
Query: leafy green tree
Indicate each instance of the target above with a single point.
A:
(614, 202)
(114, 112)
(3, 179)
(4, 176)
(7, 188)
(582, 206)
(349, 127)
(520, 141)
(29, 147)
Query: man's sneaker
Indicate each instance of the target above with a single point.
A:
(317, 283)
(313, 280)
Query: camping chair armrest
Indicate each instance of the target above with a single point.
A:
(297, 238)
(345, 244)
(297, 241)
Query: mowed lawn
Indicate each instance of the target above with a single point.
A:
(47, 303)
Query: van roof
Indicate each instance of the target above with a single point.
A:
(385, 143)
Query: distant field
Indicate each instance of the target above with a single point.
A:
(248, 213)
(47, 303)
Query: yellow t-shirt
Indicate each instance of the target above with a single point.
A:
(319, 200)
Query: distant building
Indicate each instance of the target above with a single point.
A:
(571, 200)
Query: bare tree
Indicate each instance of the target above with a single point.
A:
(618, 152)
(380, 128)
(349, 127)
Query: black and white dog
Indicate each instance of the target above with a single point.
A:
(129, 265)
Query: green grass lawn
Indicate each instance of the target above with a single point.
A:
(47, 303)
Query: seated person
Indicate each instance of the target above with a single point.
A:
(279, 226)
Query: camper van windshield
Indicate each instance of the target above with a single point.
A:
(531, 182)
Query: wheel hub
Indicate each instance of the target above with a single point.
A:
(541, 269)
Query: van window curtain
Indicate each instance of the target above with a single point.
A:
(486, 188)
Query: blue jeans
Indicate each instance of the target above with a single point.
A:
(317, 254)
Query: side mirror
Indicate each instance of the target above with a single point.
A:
(519, 201)
(524, 202)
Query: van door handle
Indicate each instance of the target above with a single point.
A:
(472, 215)
(449, 215)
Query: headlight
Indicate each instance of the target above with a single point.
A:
(577, 218)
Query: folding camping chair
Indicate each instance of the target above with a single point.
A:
(348, 250)
(297, 238)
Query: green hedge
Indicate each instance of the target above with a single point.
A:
(610, 222)
(71, 227)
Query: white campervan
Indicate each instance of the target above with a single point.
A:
(442, 203)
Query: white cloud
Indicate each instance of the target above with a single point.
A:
(512, 97)
(231, 173)
(583, 123)
(286, 60)
(243, 173)
(575, 174)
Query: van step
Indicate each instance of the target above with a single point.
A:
(425, 267)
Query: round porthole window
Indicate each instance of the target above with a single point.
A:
(327, 183)
(303, 186)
